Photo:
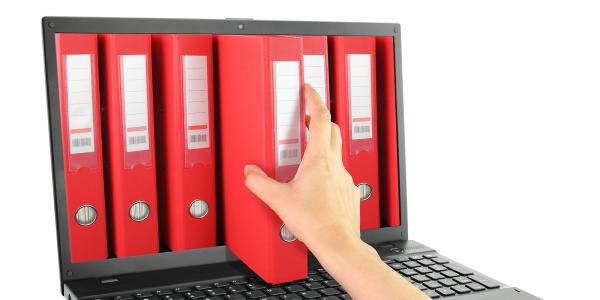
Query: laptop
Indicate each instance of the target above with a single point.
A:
(215, 272)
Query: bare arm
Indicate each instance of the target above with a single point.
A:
(321, 207)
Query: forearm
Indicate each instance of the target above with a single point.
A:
(358, 268)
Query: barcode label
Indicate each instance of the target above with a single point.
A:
(287, 107)
(81, 142)
(79, 103)
(136, 140)
(198, 138)
(195, 78)
(359, 73)
(135, 99)
(288, 154)
(361, 129)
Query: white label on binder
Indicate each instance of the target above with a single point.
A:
(359, 74)
(287, 106)
(135, 98)
(314, 74)
(195, 78)
(80, 103)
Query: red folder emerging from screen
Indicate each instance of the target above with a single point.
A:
(183, 86)
(355, 111)
(261, 122)
(129, 143)
(77, 63)
(388, 138)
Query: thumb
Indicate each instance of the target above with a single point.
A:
(264, 187)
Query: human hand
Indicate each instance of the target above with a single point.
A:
(320, 206)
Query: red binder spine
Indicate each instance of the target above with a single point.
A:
(186, 165)
(388, 153)
(77, 62)
(261, 121)
(316, 64)
(129, 139)
(356, 114)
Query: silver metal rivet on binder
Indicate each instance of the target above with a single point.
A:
(139, 211)
(365, 191)
(286, 235)
(198, 208)
(86, 215)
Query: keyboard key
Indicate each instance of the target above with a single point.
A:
(255, 294)
(423, 270)
(447, 282)
(237, 289)
(420, 286)
(195, 295)
(435, 276)
(312, 272)
(459, 270)
(310, 294)
(326, 276)
(294, 288)
(430, 256)
(216, 292)
(143, 295)
(476, 287)
(214, 298)
(331, 283)
(330, 298)
(420, 278)
(329, 291)
(314, 285)
(174, 297)
(426, 262)
(397, 266)
(123, 297)
(461, 289)
(275, 291)
(182, 289)
(315, 278)
(415, 257)
(345, 297)
(438, 268)
(445, 292)
(204, 286)
(341, 288)
(321, 270)
(440, 260)
(291, 297)
(432, 284)
(235, 297)
(412, 264)
(401, 259)
(450, 273)
(221, 284)
(270, 298)
(239, 281)
(488, 283)
(256, 286)
(408, 272)
(462, 280)
(431, 294)
(163, 292)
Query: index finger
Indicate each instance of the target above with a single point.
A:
(320, 118)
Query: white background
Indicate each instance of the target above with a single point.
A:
(502, 104)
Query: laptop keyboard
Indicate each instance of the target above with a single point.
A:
(434, 275)
(437, 277)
